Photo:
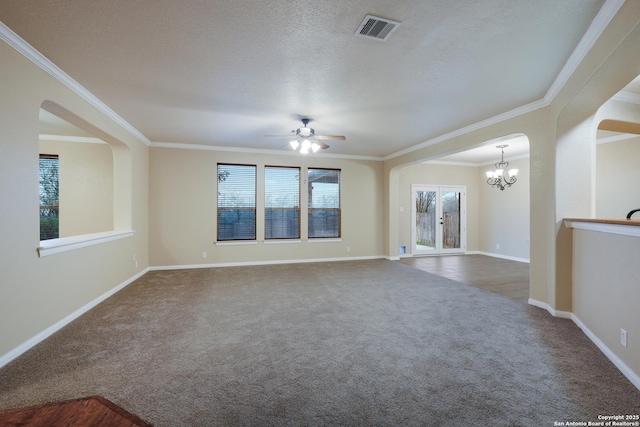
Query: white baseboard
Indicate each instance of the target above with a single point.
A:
(491, 254)
(626, 371)
(251, 263)
(551, 310)
(8, 357)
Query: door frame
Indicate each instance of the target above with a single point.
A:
(439, 189)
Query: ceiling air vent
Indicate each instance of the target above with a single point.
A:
(376, 28)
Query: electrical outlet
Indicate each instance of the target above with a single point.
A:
(623, 337)
(498, 246)
(204, 255)
(135, 260)
(348, 249)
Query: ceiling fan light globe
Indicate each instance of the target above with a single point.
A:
(305, 132)
(314, 147)
(306, 144)
(294, 144)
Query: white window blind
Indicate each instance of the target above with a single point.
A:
(324, 203)
(236, 202)
(49, 196)
(282, 202)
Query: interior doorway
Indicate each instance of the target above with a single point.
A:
(438, 219)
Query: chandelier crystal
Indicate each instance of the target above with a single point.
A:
(498, 178)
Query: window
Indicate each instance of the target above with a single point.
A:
(49, 196)
(282, 202)
(324, 203)
(236, 202)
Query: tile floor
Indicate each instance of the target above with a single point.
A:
(501, 276)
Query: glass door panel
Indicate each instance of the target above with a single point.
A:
(451, 220)
(438, 220)
(425, 220)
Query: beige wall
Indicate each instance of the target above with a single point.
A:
(494, 217)
(182, 216)
(35, 293)
(606, 291)
(617, 178)
(440, 175)
(504, 215)
(86, 186)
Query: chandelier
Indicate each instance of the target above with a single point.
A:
(498, 178)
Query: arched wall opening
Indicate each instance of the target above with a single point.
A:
(617, 151)
(497, 222)
(95, 176)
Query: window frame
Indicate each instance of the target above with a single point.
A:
(220, 209)
(55, 207)
(297, 208)
(337, 209)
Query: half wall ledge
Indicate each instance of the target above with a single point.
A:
(65, 244)
(606, 225)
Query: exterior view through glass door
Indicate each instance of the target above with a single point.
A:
(438, 223)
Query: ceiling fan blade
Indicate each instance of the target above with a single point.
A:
(322, 145)
(331, 137)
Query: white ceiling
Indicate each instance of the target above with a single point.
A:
(225, 73)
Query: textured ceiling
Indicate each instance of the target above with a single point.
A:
(225, 73)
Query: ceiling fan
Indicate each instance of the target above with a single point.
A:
(305, 138)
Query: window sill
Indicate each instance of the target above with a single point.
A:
(281, 241)
(325, 240)
(235, 242)
(65, 244)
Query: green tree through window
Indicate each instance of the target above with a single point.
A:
(49, 196)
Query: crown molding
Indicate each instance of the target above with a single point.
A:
(29, 52)
(476, 126)
(65, 138)
(472, 164)
(181, 146)
(598, 25)
(628, 97)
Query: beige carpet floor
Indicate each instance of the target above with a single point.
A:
(370, 343)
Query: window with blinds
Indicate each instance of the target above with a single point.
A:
(282, 202)
(49, 196)
(324, 203)
(236, 202)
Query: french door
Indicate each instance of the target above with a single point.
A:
(438, 220)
